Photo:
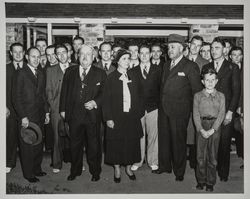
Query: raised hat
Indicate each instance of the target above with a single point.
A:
(32, 135)
(175, 38)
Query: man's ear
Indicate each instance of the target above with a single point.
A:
(203, 82)
(216, 81)
(26, 56)
(11, 53)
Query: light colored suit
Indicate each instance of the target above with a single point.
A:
(53, 92)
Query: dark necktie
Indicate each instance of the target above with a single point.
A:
(216, 66)
(145, 73)
(172, 65)
(18, 66)
(106, 66)
(83, 77)
(35, 73)
(83, 74)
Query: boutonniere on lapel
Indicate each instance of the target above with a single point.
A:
(181, 74)
(98, 84)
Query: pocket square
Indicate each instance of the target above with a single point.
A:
(181, 74)
(98, 84)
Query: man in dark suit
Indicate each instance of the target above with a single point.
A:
(30, 103)
(133, 48)
(80, 105)
(77, 43)
(53, 91)
(236, 55)
(17, 54)
(229, 84)
(106, 63)
(195, 46)
(156, 55)
(180, 81)
(149, 76)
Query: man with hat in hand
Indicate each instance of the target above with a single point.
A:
(180, 81)
(30, 104)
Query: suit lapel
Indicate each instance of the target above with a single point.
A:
(31, 75)
(222, 70)
(177, 68)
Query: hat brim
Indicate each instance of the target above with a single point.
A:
(36, 129)
(118, 56)
(176, 42)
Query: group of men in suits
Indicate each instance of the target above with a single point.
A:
(70, 90)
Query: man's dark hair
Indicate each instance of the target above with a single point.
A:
(78, 38)
(41, 39)
(156, 45)
(145, 46)
(105, 43)
(219, 40)
(205, 44)
(115, 45)
(227, 41)
(48, 47)
(197, 37)
(132, 43)
(60, 46)
(208, 70)
(236, 48)
(32, 48)
(15, 44)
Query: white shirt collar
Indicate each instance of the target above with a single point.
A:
(157, 62)
(142, 65)
(20, 64)
(106, 62)
(176, 61)
(219, 63)
(81, 70)
(64, 66)
(32, 69)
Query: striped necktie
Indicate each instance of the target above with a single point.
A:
(145, 72)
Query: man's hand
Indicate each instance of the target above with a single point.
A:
(90, 105)
(25, 122)
(62, 114)
(7, 112)
(47, 118)
(228, 118)
(110, 124)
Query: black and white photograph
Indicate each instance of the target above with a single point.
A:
(124, 99)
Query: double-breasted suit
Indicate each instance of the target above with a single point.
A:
(176, 97)
(229, 84)
(12, 121)
(84, 125)
(30, 101)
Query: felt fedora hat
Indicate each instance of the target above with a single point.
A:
(175, 38)
(32, 135)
